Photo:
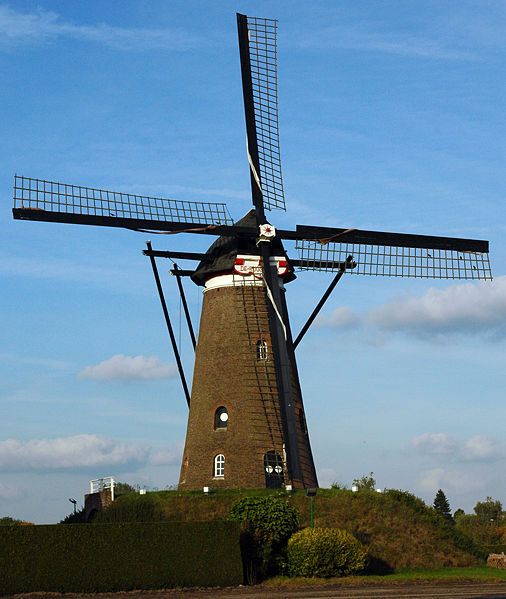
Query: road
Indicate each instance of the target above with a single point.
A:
(375, 591)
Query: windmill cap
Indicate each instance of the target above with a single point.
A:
(221, 256)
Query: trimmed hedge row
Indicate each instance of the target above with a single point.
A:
(118, 557)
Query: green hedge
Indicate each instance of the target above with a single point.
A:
(494, 549)
(118, 557)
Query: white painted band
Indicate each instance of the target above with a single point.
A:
(234, 280)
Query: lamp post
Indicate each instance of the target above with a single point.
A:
(311, 493)
(75, 504)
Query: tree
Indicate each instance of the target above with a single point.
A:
(270, 519)
(124, 488)
(8, 521)
(489, 510)
(77, 517)
(442, 505)
(366, 482)
(458, 513)
(267, 523)
(338, 485)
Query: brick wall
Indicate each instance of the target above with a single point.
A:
(228, 373)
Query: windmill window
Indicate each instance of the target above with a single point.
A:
(273, 469)
(221, 418)
(219, 466)
(262, 351)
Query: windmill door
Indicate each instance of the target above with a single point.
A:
(274, 470)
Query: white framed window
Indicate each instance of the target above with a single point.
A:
(219, 466)
(262, 351)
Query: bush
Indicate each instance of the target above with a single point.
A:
(366, 482)
(132, 508)
(267, 524)
(8, 521)
(269, 519)
(325, 552)
(78, 517)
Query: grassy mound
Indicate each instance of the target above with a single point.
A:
(398, 529)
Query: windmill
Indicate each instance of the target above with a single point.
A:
(246, 425)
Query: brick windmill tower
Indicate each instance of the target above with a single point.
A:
(246, 425)
(237, 425)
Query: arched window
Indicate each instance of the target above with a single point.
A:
(219, 466)
(262, 351)
(221, 418)
(273, 470)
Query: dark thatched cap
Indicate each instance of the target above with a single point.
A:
(220, 257)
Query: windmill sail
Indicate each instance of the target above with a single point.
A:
(37, 199)
(393, 254)
(247, 425)
(257, 37)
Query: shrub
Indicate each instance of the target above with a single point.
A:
(8, 521)
(123, 489)
(269, 519)
(325, 552)
(78, 517)
(366, 482)
(267, 524)
(132, 508)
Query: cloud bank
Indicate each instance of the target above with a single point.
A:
(465, 309)
(454, 480)
(129, 368)
(42, 26)
(477, 448)
(74, 452)
(434, 443)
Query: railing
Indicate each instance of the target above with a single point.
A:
(102, 484)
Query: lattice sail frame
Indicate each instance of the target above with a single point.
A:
(393, 261)
(63, 198)
(262, 37)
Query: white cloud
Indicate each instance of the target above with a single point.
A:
(434, 443)
(475, 449)
(129, 368)
(66, 453)
(477, 309)
(8, 491)
(342, 318)
(450, 480)
(471, 308)
(481, 448)
(33, 27)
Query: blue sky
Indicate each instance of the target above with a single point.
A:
(392, 118)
